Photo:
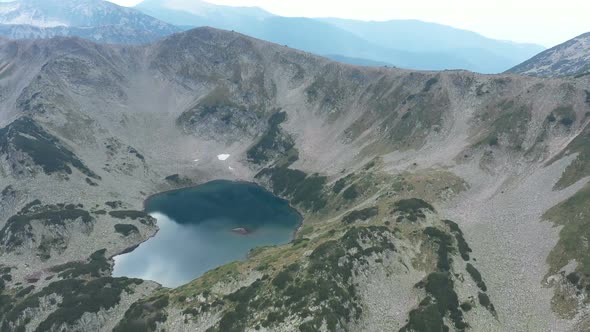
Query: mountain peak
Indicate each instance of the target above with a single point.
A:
(571, 58)
(93, 19)
(79, 13)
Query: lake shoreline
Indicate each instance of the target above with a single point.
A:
(301, 217)
(212, 214)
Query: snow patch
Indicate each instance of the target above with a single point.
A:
(223, 157)
(27, 19)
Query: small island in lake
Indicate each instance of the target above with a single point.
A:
(241, 231)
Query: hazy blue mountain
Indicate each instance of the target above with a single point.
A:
(302, 33)
(409, 44)
(489, 55)
(198, 13)
(358, 61)
(92, 19)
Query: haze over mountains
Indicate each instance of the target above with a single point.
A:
(405, 44)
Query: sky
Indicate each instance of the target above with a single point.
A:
(542, 22)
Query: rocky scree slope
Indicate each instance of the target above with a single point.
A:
(571, 58)
(424, 194)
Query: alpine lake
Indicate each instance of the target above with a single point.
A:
(207, 226)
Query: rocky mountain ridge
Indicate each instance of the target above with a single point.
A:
(97, 20)
(571, 58)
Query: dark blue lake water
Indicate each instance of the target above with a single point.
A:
(205, 227)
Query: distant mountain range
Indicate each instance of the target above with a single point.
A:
(403, 43)
(406, 44)
(571, 58)
(96, 20)
(424, 37)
